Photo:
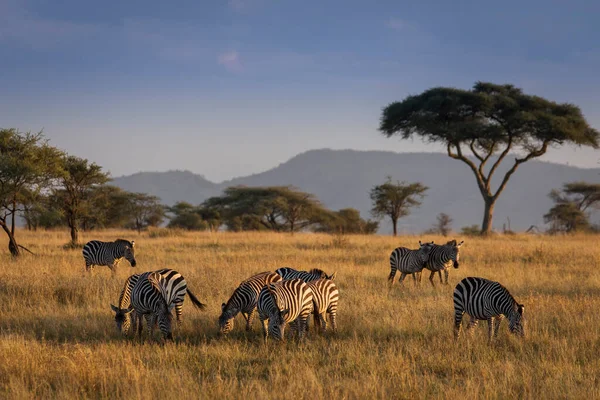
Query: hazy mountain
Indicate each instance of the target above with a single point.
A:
(343, 178)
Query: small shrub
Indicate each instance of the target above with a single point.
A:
(165, 232)
(472, 230)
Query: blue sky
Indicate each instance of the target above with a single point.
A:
(228, 88)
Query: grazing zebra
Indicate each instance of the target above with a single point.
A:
(244, 300)
(284, 302)
(487, 300)
(312, 275)
(110, 254)
(325, 300)
(173, 288)
(408, 261)
(147, 300)
(441, 257)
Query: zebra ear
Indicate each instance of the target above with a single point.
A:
(130, 309)
(114, 308)
(332, 276)
(460, 244)
(420, 244)
(521, 308)
(223, 307)
(133, 243)
(283, 313)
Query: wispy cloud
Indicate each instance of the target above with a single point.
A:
(230, 60)
(397, 24)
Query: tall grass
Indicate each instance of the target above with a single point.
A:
(58, 339)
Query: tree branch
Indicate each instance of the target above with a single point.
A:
(519, 161)
(459, 156)
(471, 145)
(498, 161)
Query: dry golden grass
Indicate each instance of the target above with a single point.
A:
(58, 340)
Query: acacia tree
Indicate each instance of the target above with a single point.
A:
(488, 120)
(569, 213)
(144, 210)
(27, 165)
(443, 224)
(394, 200)
(75, 192)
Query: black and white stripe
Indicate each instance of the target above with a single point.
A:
(441, 257)
(486, 300)
(173, 288)
(110, 254)
(307, 276)
(408, 261)
(244, 300)
(147, 300)
(284, 302)
(325, 301)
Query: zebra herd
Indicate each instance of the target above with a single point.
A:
(288, 296)
(481, 298)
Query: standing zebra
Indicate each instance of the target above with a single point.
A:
(408, 261)
(173, 287)
(147, 300)
(312, 275)
(244, 300)
(441, 257)
(325, 300)
(487, 300)
(110, 254)
(284, 302)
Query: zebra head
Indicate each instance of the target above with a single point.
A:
(454, 251)
(122, 318)
(130, 253)
(424, 249)
(515, 320)
(226, 319)
(277, 319)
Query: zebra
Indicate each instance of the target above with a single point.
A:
(408, 261)
(487, 300)
(441, 257)
(283, 302)
(325, 300)
(173, 288)
(312, 275)
(147, 300)
(110, 254)
(244, 300)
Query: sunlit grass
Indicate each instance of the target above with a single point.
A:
(58, 340)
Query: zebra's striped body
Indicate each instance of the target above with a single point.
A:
(486, 300)
(325, 301)
(441, 257)
(312, 275)
(284, 302)
(110, 254)
(173, 288)
(147, 300)
(408, 261)
(244, 300)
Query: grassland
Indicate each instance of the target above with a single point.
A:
(58, 340)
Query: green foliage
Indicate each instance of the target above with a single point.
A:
(144, 211)
(186, 216)
(28, 165)
(569, 213)
(395, 200)
(346, 220)
(487, 120)
(471, 230)
(278, 208)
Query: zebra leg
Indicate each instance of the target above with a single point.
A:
(317, 321)
(391, 277)
(402, 278)
(440, 274)
(323, 322)
(458, 316)
(249, 320)
(497, 321)
(332, 318)
(445, 276)
(150, 321)
(179, 312)
(264, 323)
(431, 278)
(302, 324)
(472, 324)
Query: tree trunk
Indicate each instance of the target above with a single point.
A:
(14, 216)
(13, 247)
(488, 215)
(74, 234)
(395, 226)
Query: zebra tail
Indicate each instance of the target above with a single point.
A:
(195, 300)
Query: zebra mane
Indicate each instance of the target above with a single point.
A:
(123, 241)
(451, 243)
(317, 271)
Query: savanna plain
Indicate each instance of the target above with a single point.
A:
(58, 338)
